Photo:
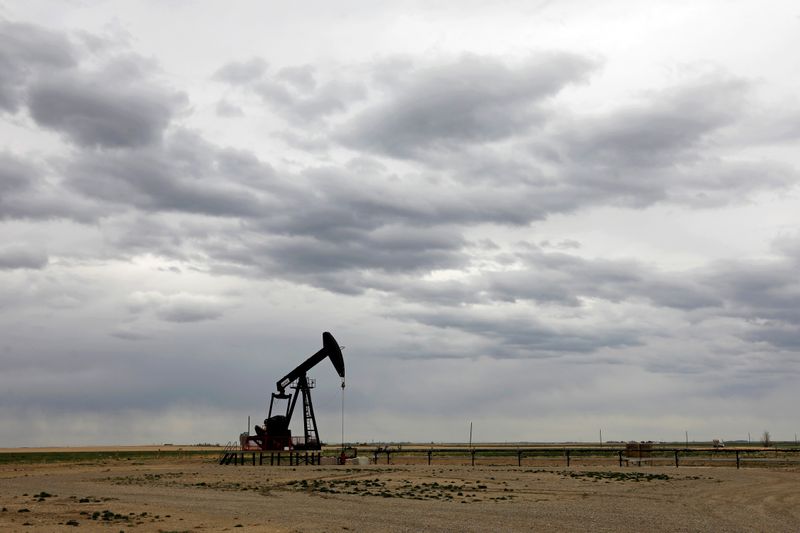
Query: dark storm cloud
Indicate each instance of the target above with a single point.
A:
(472, 99)
(26, 50)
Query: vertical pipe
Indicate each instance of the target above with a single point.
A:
(342, 416)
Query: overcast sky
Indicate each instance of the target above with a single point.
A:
(548, 218)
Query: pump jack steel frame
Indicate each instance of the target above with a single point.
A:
(275, 434)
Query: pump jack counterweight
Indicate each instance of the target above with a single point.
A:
(275, 434)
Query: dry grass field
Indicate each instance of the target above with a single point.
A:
(192, 493)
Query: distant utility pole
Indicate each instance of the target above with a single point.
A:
(470, 434)
(748, 437)
(687, 438)
(601, 437)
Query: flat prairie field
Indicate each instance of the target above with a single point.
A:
(193, 493)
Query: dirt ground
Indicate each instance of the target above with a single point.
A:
(196, 494)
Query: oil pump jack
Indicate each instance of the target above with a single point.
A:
(275, 434)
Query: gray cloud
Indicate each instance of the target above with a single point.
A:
(25, 50)
(293, 91)
(22, 257)
(15, 175)
(80, 105)
(472, 99)
(525, 336)
(760, 291)
(115, 105)
(227, 109)
(241, 72)
(662, 149)
(561, 279)
(308, 102)
(178, 307)
(180, 175)
(25, 193)
(662, 127)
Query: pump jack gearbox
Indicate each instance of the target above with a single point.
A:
(275, 433)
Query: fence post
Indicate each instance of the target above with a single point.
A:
(519, 457)
(737, 459)
(429, 457)
(472, 452)
(254, 458)
(620, 458)
(388, 453)
(676, 458)
(567, 457)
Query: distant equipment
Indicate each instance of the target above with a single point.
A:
(275, 433)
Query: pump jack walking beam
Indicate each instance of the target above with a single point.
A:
(330, 348)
